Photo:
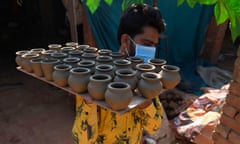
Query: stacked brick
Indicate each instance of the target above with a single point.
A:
(228, 131)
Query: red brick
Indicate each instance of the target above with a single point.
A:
(233, 101)
(218, 139)
(235, 87)
(238, 52)
(229, 110)
(230, 123)
(237, 118)
(236, 71)
(234, 137)
(222, 130)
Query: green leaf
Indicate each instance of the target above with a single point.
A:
(128, 3)
(235, 27)
(180, 2)
(207, 2)
(93, 5)
(109, 2)
(234, 15)
(220, 12)
(192, 3)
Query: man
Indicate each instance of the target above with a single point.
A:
(139, 29)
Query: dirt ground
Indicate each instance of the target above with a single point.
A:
(33, 112)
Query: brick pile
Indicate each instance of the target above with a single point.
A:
(228, 131)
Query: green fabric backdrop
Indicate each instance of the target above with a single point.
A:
(185, 30)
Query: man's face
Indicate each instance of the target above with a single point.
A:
(149, 37)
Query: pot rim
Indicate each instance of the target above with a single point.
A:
(71, 44)
(50, 51)
(54, 46)
(150, 76)
(122, 62)
(107, 67)
(84, 70)
(108, 78)
(36, 60)
(21, 52)
(170, 68)
(30, 55)
(156, 61)
(90, 49)
(50, 61)
(86, 63)
(62, 67)
(142, 66)
(124, 86)
(58, 54)
(71, 59)
(136, 59)
(119, 72)
(82, 46)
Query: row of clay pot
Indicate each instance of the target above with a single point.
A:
(169, 74)
(103, 86)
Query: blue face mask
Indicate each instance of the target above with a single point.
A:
(145, 52)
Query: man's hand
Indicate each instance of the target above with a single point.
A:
(145, 104)
(88, 101)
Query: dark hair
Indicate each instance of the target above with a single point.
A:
(138, 16)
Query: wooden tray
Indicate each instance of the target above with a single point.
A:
(136, 100)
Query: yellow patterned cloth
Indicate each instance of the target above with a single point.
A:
(96, 125)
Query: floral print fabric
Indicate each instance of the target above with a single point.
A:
(97, 125)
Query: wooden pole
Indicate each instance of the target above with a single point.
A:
(154, 3)
(73, 22)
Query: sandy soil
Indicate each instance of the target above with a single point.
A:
(33, 112)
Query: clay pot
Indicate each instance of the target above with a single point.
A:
(67, 49)
(144, 67)
(71, 61)
(26, 61)
(122, 64)
(157, 63)
(36, 66)
(76, 53)
(103, 59)
(82, 47)
(61, 74)
(89, 56)
(104, 69)
(170, 76)
(90, 50)
(128, 76)
(116, 55)
(71, 44)
(47, 66)
(90, 64)
(135, 61)
(98, 85)
(18, 58)
(118, 95)
(149, 85)
(60, 56)
(56, 47)
(79, 79)
(47, 53)
(104, 52)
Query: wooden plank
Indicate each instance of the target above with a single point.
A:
(136, 100)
